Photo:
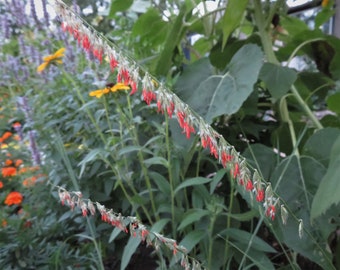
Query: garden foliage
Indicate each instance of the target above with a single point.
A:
(179, 138)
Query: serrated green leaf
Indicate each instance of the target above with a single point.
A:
(119, 5)
(191, 217)
(225, 94)
(278, 79)
(192, 182)
(232, 17)
(328, 192)
(319, 145)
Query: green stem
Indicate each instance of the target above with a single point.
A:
(142, 163)
(171, 180)
(231, 202)
(268, 49)
(99, 132)
(211, 241)
(305, 107)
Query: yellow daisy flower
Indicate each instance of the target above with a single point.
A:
(53, 58)
(100, 92)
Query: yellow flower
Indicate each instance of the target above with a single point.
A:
(53, 58)
(98, 93)
(324, 3)
(119, 86)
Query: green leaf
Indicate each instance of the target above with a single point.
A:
(320, 144)
(119, 5)
(160, 224)
(188, 82)
(328, 192)
(172, 41)
(115, 232)
(225, 94)
(216, 179)
(129, 249)
(333, 102)
(261, 157)
(192, 239)
(278, 79)
(232, 17)
(323, 16)
(296, 181)
(245, 237)
(156, 161)
(259, 258)
(133, 148)
(192, 182)
(150, 28)
(192, 216)
(162, 184)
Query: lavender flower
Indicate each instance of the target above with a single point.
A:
(34, 13)
(33, 148)
(46, 16)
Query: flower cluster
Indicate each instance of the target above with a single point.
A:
(128, 74)
(130, 225)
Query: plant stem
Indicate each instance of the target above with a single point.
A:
(142, 163)
(171, 180)
(230, 207)
(305, 107)
(268, 49)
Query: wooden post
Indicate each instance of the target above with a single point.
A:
(336, 20)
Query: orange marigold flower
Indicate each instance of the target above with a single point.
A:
(14, 197)
(1, 184)
(8, 162)
(8, 171)
(5, 136)
(4, 223)
(30, 181)
(18, 162)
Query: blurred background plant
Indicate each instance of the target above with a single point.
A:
(121, 153)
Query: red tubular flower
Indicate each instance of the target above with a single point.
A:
(98, 53)
(148, 96)
(133, 85)
(170, 109)
(260, 195)
(86, 43)
(270, 212)
(188, 129)
(113, 63)
(1, 184)
(225, 158)
(180, 117)
(123, 76)
(249, 185)
(236, 170)
(14, 198)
